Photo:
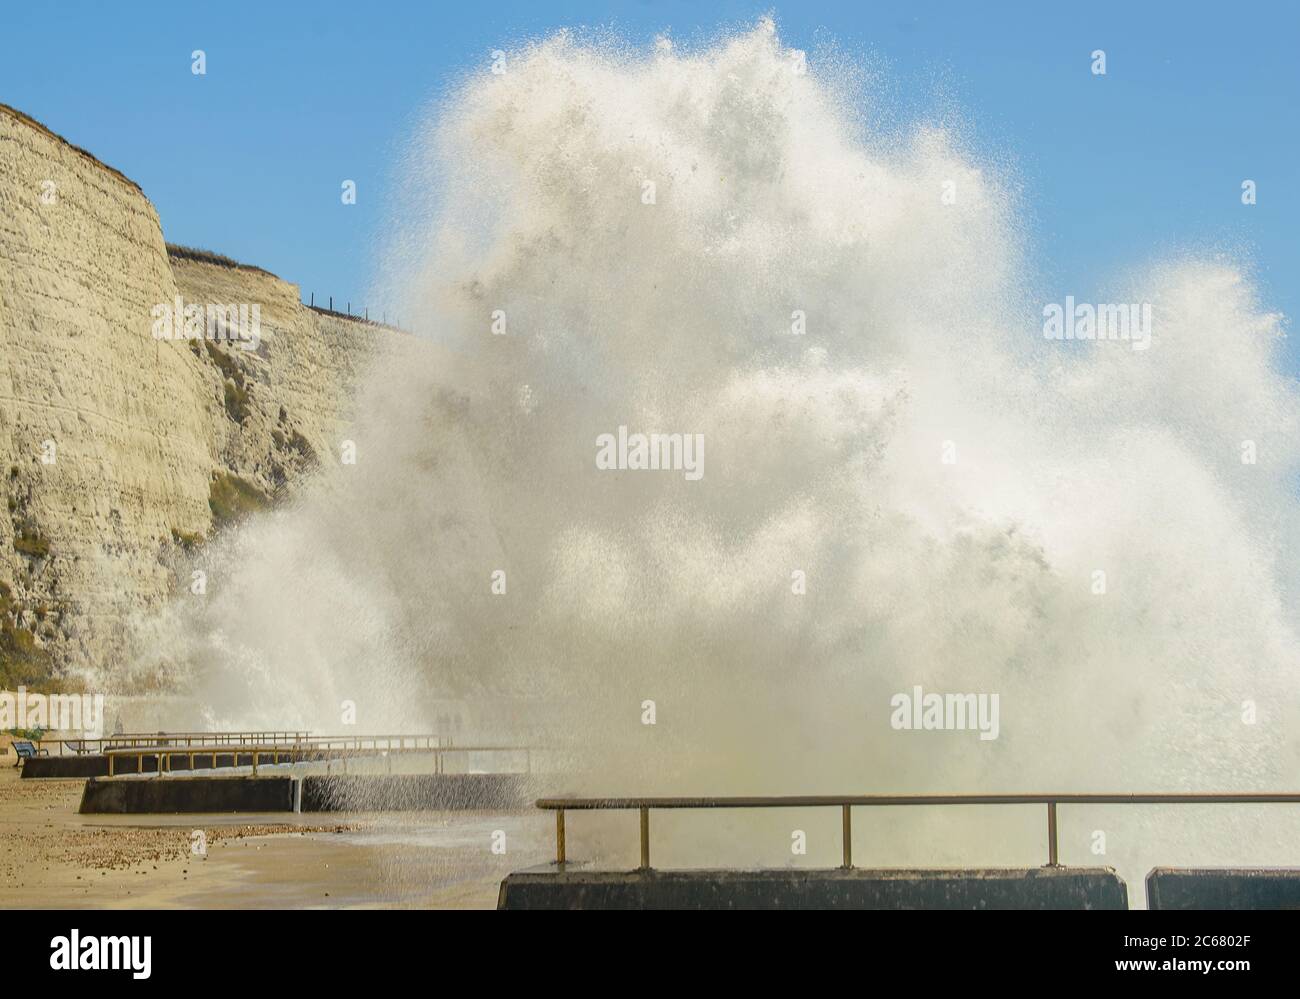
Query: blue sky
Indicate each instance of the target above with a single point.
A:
(1118, 170)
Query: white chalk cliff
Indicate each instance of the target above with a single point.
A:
(118, 448)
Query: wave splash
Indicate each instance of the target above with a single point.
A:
(907, 484)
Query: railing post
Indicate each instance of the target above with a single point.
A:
(111, 758)
(559, 837)
(1051, 835)
(848, 836)
(645, 838)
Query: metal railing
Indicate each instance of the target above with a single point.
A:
(316, 749)
(83, 746)
(848, 802)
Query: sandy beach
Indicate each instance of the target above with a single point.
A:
(53, 857)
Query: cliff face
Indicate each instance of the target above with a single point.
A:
(280, 409)
(117, 447)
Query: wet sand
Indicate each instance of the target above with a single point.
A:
(53, 857)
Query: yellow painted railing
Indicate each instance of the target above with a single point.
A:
(846, 803)
(127, 740)
(316, 749)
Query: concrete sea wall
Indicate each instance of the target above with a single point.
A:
(128, 796)
(1223, 888)
(312, 793)
(413, 792)
(1027, 888)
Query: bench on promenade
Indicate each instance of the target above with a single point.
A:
(26, 750)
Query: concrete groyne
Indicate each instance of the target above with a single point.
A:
(1224, 888)
(843, 888)
(312, 793)
(236, 793)
(412, 792)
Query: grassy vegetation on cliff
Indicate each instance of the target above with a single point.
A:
(22, 662)
(188, 540)
(29, 541)
(231, 499)
(209, 257)
(236, 391)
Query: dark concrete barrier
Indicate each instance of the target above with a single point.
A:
(146, 795)
(93, 765)
(1224, 888)
(412, 792)
(69, 766)
(1030, 888)
(96, 764)
(317, 793)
